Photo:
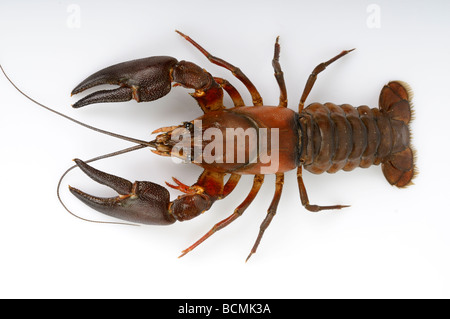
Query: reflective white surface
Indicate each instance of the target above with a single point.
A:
(389, 243)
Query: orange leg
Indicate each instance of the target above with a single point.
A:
(256, 97)
(304, 196)
(270, 212)
(194, 189)
(279, 75)
(230, 185)
(257, 182)
(312, 78)
(232, 92)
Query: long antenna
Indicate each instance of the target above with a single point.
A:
(142, 144)
(122, 137)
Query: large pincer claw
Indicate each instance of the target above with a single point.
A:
(138, 202)
(145, 79)
(149, 79)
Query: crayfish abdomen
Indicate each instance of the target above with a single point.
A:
(343, 137)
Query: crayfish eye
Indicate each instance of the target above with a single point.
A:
(189, 126)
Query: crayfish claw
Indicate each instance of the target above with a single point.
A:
(138, 202)
(120, 185)
(121, 94)
(143, 80)
(103, 205)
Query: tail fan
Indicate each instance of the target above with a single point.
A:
(395, 100)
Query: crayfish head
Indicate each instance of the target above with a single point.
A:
(177, 141)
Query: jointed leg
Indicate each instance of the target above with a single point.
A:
(279, 75)
(270, 212)
(312, 78)
(230, 185)
(218, 190)
(304, 196)
(257, 182)
(256, 97)
(232, 92)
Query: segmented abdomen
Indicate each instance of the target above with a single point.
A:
(336, 137)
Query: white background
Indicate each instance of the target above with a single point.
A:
(390, 243)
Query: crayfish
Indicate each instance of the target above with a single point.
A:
(256, 140)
